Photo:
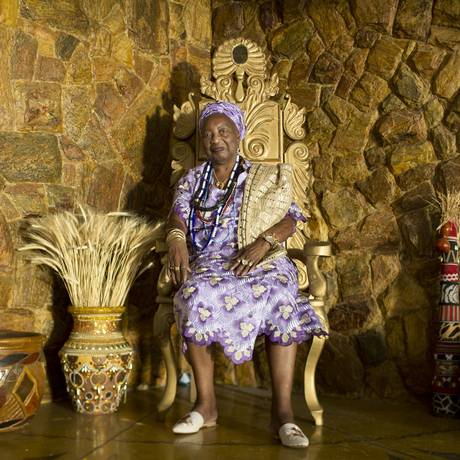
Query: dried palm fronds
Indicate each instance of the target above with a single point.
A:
(449, 204)
(98, 256)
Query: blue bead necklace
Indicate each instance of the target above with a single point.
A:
(201, 195)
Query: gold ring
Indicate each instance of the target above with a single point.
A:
(244, 262)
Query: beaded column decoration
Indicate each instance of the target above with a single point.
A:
(446, 381)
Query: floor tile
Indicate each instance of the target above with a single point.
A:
(441, 445)
(354, 430)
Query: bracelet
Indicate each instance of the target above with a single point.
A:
(175, 234)
(271, 239)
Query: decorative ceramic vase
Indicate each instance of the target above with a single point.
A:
(22, 377)
(96, 360)
(446, 381)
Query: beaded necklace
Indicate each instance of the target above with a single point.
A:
(201, 195)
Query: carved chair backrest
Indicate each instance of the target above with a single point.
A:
(274, 123)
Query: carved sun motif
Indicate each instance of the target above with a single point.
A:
(225, 60)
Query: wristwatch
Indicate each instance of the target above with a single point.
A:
(271, 239)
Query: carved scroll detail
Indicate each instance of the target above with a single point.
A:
(162, 322)
(261, 140)
(259, 90)
(294, 119)
(183, 159)
(297, 155)
(185, 119)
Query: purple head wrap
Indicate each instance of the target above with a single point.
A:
(228, 109)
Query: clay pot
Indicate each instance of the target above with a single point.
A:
(22, 377)
(96, 360)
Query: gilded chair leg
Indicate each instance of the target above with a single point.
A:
(192, 388)
(309, 380)
(162, 323)
(171, 377)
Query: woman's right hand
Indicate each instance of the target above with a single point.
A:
(178, 263)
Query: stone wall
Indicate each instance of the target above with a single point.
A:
(379, 80)
(86, 94)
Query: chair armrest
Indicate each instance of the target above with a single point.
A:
(164, 283)
(309, 256)
(318, 248)
(317, 282)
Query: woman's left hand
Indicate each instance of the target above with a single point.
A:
(250, 256)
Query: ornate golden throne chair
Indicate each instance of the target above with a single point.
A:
(274, 134)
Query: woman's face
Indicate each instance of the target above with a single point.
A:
(220, 139)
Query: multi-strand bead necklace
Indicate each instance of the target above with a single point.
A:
(201, 195)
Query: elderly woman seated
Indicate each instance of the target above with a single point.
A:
(225, 232)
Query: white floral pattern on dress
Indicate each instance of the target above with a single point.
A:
(246, 328)
(285, 311)
(215, 280)
(267, 301)
(204, 313)
(230, 302)
(258, 290)
(283, 278)
(187, 292)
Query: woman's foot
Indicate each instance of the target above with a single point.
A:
(207, 411)
(200, 417)
(279, 418)
(191, 423)
(284, 428)
(291, 435)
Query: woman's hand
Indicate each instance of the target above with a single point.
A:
(178, 264)
(250, 256)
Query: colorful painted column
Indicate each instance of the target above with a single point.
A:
(446, 381)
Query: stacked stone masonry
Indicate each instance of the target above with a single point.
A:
(380, 82)
(86, 96)
(86, 101)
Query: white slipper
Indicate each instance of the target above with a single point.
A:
(191, 423)
(292, 436)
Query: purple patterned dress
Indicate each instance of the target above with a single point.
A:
(215, 305)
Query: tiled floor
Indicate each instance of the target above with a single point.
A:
(354, 429)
